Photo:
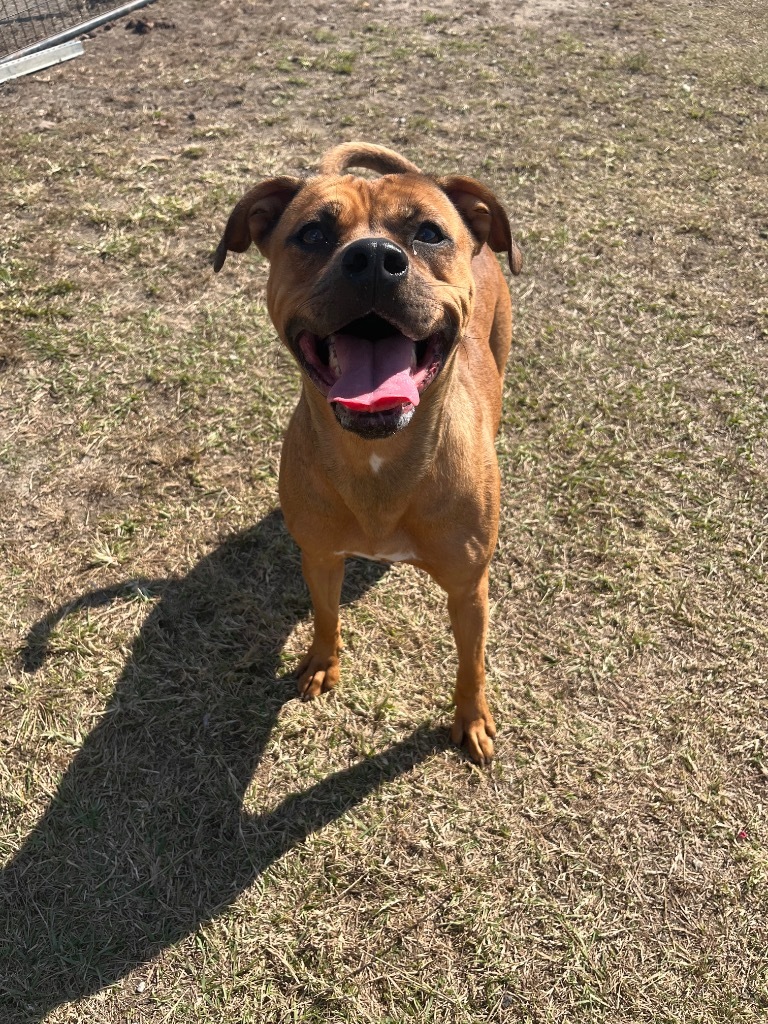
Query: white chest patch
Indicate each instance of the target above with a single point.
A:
(376, 462)
(395, 556)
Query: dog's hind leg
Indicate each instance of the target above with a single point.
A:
(319, 671)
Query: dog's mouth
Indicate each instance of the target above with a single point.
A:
(371, 373)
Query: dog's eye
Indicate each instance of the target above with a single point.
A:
(312, 234)
(429, 233)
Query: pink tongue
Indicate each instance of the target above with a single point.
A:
(374, 375)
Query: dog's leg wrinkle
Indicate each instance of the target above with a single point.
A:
(319, 670)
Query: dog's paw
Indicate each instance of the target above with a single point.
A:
(317, 674)
(474, 729)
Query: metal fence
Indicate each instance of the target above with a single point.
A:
(28, 24)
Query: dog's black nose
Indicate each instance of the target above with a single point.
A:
(374, 259)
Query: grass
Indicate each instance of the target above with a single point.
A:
(182, 841)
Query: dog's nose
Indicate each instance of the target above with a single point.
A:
(374, 259)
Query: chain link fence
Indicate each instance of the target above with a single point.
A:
(26, 24)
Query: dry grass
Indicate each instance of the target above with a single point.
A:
(182, 841)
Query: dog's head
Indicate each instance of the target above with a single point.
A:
(370, 282)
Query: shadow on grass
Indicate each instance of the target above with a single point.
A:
(146, 836)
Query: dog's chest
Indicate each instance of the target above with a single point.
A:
(389, 554)
(380, 494)
(377, 540)
(381, 556)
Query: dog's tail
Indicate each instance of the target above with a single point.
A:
(363, 154)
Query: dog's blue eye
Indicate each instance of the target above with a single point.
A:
(429, 233)
(312, 234)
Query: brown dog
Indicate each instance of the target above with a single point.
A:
(389, 297)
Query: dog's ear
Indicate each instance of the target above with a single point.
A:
(254, 217)
(484, 215)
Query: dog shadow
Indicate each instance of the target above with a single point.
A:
(146, 836)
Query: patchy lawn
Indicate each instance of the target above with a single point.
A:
(182, 841)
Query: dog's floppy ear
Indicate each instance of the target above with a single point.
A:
(254, 217)
(484, 215)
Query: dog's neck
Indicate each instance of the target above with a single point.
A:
(385, 473)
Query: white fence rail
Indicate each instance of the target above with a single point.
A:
(27, 26)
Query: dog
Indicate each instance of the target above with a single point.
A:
(388, 294)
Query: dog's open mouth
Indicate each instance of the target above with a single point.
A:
(371, 373)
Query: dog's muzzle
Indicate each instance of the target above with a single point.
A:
(371, 372)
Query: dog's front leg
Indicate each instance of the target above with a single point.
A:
(473, 724)
(319, 671)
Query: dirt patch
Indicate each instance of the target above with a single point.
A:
(494, 12)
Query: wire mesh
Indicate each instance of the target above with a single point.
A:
(25, 22)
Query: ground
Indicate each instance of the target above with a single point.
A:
(182, 840)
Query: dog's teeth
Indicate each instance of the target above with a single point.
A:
(333, 361)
